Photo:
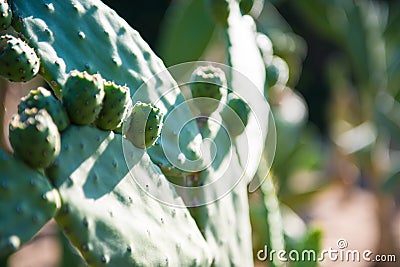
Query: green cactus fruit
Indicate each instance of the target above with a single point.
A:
(207, 82)
(82, 97)
(115, 106)
(277, 72)
(41, 98)
(18, 61)
(145, 125)
(219, 10)
(5, 14)
(235, 116)
(35, 138)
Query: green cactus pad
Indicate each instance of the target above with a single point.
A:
(207, 82)
(82, 97)
(108, 218)
(27, 202)
(5, 14)
(35, 138)
(115, 106)
(41, 98)
(144, 125)
(65, 33)
(225, 223)
(18, 61)
(235, 116)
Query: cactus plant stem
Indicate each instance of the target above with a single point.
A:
(274, 219)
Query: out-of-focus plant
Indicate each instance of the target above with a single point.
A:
(364, 80)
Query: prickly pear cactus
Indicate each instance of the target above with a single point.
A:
(115, 106)
(27, 202)
(144, 125)
(35, 138)
(57, 30)
(82, 96)
(41, 98)
(108, 217)
(18, 61)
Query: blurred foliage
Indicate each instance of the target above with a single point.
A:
(185, 32)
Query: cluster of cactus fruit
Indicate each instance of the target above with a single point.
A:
(86, 100)
(71, 136)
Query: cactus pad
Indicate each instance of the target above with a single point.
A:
(18, 61)
(41, 98)
(82, 97)
(225, 223)
(35, 138)
(27, 202)
(105, 214)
